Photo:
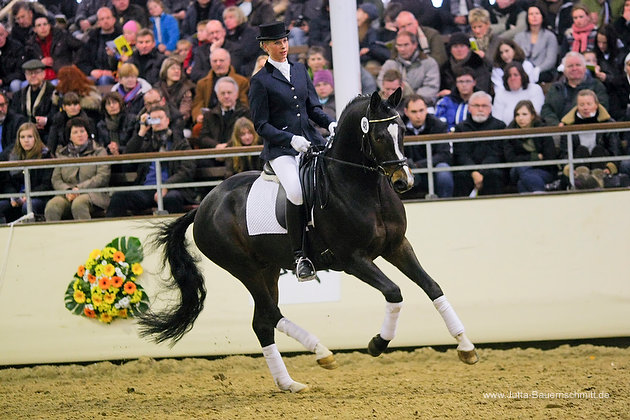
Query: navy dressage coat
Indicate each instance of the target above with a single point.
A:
(281, 109)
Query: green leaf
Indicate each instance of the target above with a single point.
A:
(71, 304)
(130, 246)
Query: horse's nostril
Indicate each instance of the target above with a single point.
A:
(401, 186)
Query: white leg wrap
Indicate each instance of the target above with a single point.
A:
(276, 366)
(308, 340)
(454, 325)
(388, 329)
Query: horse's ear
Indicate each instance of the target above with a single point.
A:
(394, 98)
(375, 101)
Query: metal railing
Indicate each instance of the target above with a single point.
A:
(427, 140)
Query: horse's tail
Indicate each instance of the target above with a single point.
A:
(173, 323)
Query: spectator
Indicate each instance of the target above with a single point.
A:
(28, 146)
(603, 13)
(183, 52)
(508, 52)
(243, 134)
(152, 98)
(54, 47)
(558, 13)
(177, 8)
(619, 90)
(582, 35)
(459, 10)
(486, 42)
(437, 17)
(419, 122)
(539, 44)
(387, 33)
(85, 17)
(201, 10)
(370, 50)
(147, 58)
(420, 72)
(71, 79)
(131, 88)
(622, 25)
(200, 61)
(392, 80)
(130, 33)
(594, 70)
(515, 88)
(218, 121)
(460, 55)
(70, 108)
(240, 40)
(12, 55)
(561, 96)
(124, 12)
(165, 27)
(205, 95)
(22, 20)
(9, 123)
(453, 108)
(260, 63)
(609, 51)
(507, 16)
(154, 135)
(94, 60)
(529, 149)
(319, 29)
(316, 60)
(325, 89)
(585, 145)
(35, 99)
(261, 11)
(176, 88)
(116, 127)
(75, 205)
(484, 181)
(429, 40)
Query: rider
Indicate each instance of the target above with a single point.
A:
(282, 99)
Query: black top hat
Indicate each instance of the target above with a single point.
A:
(272, 31)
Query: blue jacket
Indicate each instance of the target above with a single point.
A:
(169, 29)
(281, 109)
(452, 110)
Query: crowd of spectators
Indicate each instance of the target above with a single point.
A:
(110, 77)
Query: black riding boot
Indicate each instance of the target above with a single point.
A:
(296, 221)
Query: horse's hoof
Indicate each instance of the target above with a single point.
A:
(296, 387)
(377, 345)
(469, 357)
(328, 362)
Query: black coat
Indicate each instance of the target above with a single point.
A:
(148, 65)
(201, 62)
(10, 126)
(281, 109)
(59, 135)
(40, 178)
(125, 131)
(479, 65)
(478, 152)
(513, 150)
(441, 151)
(217, 128)
(12, 58)
(44, 109)
(63, 50)
(194, 14)
(243, 48)
(133, 12)
(94, 55)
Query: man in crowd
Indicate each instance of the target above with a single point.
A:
(12, 55)
(483, 181)
(429, 40)
(9, 124)
(94, 60)
(147, 58)
(124, 12)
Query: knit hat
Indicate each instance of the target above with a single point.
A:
(371, 10)
(458, 38)
(131, 25)
(323, 76)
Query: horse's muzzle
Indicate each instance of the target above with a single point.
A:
(402, 179)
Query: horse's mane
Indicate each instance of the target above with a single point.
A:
(359, 99)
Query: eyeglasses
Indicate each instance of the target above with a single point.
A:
(3, 104)
(479, 106)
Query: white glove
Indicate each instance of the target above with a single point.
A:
(331, 128)
(300, 144)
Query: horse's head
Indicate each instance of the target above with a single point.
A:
(383, 140)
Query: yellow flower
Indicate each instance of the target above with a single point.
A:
(97, 298)
(95, 254)
(90, 264)
(98, 270)
(79, 296)
(109, 270)
(122, 313)
(106, 318)
(110, 298)
(108, 252)
(137, 295)
(137, 269)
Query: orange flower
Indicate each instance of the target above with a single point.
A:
(81, 271)
(122, 313)
(117, 281)
(91, 278)
(104, 283)
(89, 312)
(106, 318)
(130, 287)
(119, 256)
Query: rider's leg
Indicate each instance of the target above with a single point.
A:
(286, 168)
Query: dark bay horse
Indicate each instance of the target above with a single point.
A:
(362, 218)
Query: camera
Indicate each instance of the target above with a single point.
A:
(152, 121)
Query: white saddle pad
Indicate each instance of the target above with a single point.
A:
(261, 209)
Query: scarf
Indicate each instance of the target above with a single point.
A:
(112, 124)
(129, 96)
(46, 45)
(580, 37)
(78, 151)
(31, 107)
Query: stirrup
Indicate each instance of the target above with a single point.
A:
(304, 269)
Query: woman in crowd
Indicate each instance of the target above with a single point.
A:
(529, 149)
(78, 206)
(28, 146)
(165, 27)
(485, 42)
(609, 51)
(132, 88)
(508, 52)
(539, 44)
(316, 60)
(582, 35)
(116, 127)
(175, 87)
(70, 108)
(72, 79)
(516, 87)
(243, 134)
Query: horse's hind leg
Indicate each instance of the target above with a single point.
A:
(406, 261)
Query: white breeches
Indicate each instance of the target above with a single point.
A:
(286, 168)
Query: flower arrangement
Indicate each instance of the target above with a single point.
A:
(105, 287)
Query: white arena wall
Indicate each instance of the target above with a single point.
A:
(542, 267)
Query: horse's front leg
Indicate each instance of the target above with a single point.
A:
(404, 258)
(368, 272)
(310, 342)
